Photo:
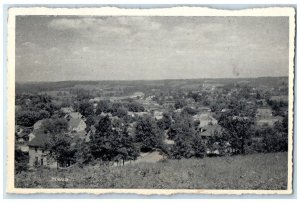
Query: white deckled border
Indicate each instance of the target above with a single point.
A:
(112, 11)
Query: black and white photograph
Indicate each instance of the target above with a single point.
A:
(174, 100)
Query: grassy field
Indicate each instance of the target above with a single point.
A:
(257, 171)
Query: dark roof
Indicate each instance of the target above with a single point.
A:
(41, 139)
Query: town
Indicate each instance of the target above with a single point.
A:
(117, 123)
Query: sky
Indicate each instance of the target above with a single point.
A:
(60, 48)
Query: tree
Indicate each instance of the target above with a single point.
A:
(126, 149)
(187, 142)
(44, 114)
(55, 126)
(62, 149)
(83, 153)
(148, 134)
(237, 131)
(120, 112)
(198, 146)
(86, 109)
(27, 118)
(103, 106)
(90, 120)
(217, 142)
(189, 110)
(180, 104)
(135, 107)
(21, 161)
(112, 142)
(100, 142)
(274, 140)
(165, 122)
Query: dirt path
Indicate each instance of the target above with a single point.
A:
(150, 157)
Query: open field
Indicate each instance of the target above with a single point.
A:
(257, 171)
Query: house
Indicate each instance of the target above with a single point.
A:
(225, 110)
(264, 117)
(261, 102)
(166, 140)
(178, 110)
(137, 95)
(67, 110)
(210, 85)
(21, 144)
(204, 109)
(281, 98)
(39, 155)
(76, 125)
(205, 119)
(210, 130)
(96, 99)
(158, 115)
(168, 103)
(264, 113)
(131, 114)
(74, 115)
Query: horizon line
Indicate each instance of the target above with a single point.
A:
(235, 78)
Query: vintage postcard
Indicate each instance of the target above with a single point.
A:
(150, 101)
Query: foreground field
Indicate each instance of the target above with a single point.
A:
(258, 171)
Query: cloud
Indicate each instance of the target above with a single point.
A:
(119, 25)
(71, 23)
(149, 47)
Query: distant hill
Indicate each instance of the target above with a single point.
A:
(49, 86)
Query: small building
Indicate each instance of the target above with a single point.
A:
(39, 155)
(204, 109)
(131, 114)
(166, 140)
(158, 115)
(225, 110)
(137, 95)
(169, 103)
(264, 117)
(96, 99)
(205, 119)
(22, 138)
(280, 98)
(209, 131)
(264, 113)
(67, 110)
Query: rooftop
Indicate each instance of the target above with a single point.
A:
(41, 139)
(74, 122)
